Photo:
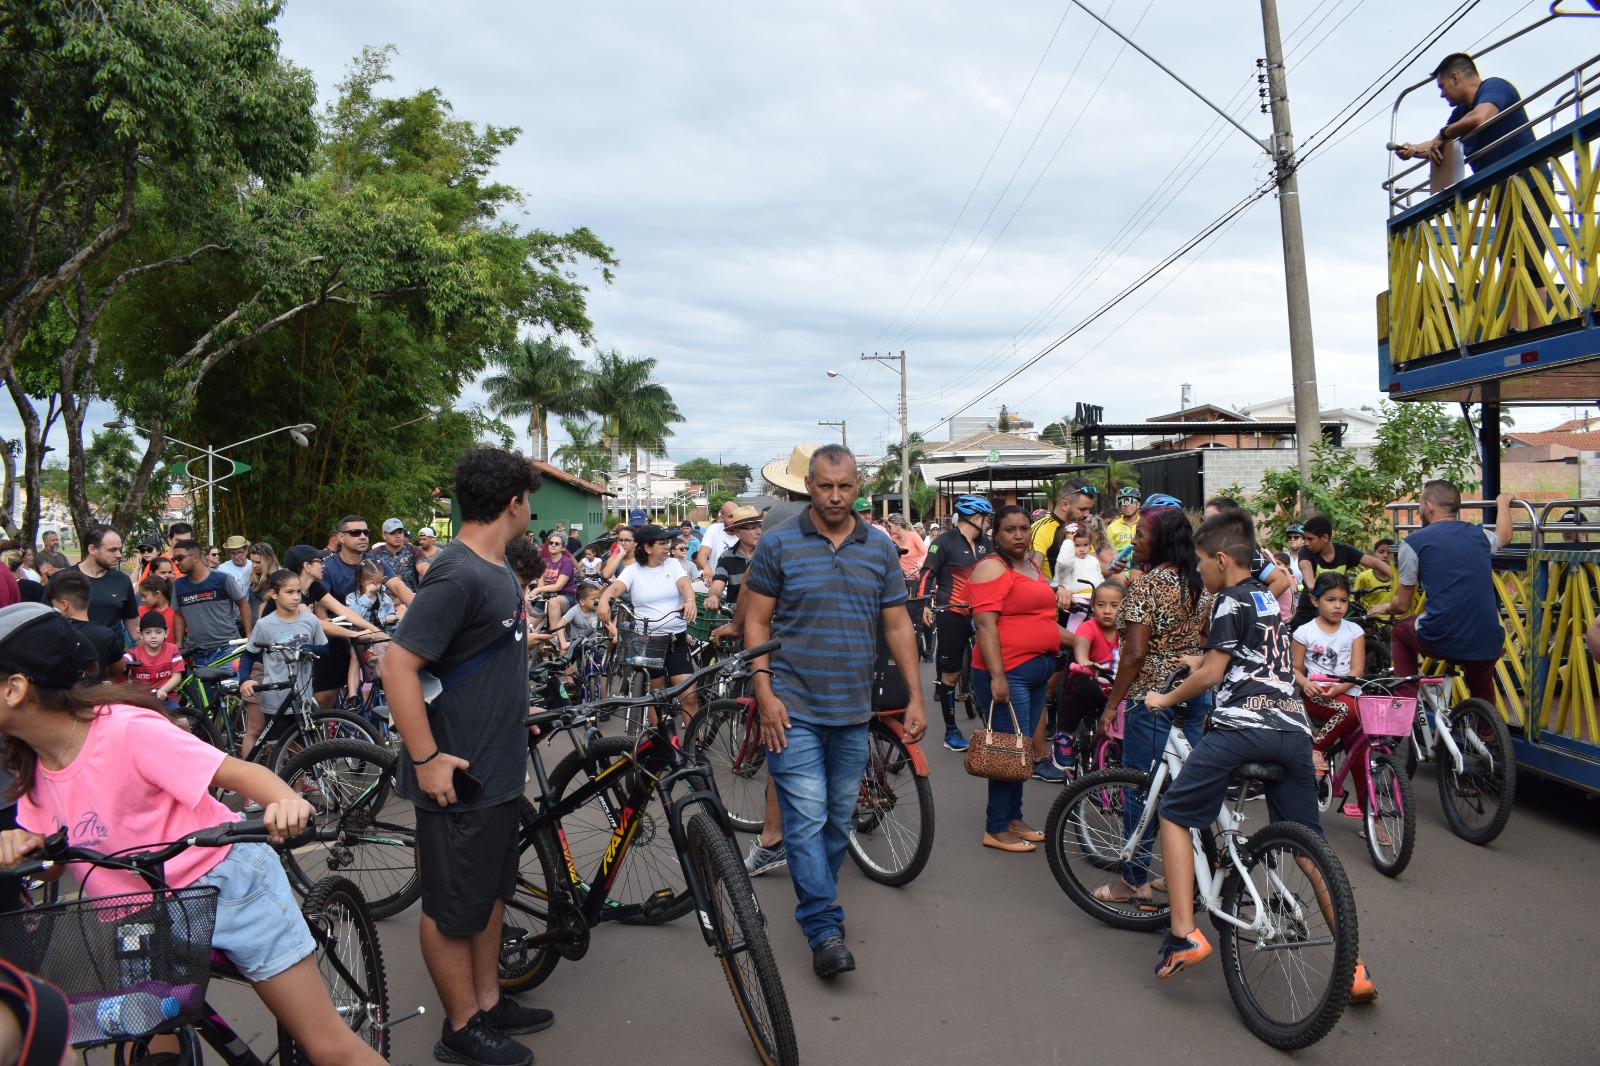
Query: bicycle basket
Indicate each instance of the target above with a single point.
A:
(1386, 716)
(649, 652)
(129, 965)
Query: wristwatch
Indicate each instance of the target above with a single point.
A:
(1443, 136)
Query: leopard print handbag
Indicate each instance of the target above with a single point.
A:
(999, 756)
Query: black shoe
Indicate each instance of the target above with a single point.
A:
(480, 1044)
(513, 1019)
(831, 958)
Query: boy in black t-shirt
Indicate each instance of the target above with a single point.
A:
(1257, 718)
(1322, 553)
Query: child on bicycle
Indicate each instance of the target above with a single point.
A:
(371, 601)
(1094, 645)
(154, 663)
(1331, 644)
(1256, 718)
(283, 622)
(103, 761)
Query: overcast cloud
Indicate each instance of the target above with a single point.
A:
(775, 178)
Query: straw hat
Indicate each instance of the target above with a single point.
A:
(790, 476)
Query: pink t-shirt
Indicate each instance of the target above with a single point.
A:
(139, 781)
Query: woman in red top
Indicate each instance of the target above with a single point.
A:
(1014, 609)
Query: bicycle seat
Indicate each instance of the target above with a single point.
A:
(1260, 771)
(215, 673)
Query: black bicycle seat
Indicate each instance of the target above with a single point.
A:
(215, 673)
(1260, 771)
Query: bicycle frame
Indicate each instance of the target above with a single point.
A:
(1208, 880)
(1426, 734)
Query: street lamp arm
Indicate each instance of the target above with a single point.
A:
(302, 426)
(1260, 142)
(858, 388)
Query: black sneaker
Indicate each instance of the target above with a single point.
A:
(480, 1044)
(514, 1019)
(831, 958)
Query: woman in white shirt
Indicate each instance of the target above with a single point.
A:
(660, 589)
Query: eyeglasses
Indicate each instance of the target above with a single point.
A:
(356, 532)
(558, 543)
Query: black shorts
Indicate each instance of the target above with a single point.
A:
(467, 860)
(331, 670)
(676, 659)
(954, 633)
(1196, 795)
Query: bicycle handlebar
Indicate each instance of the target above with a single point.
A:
(568, 716)
(57, 852)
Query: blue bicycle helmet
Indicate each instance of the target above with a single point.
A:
(1161, 499)
(972, 505)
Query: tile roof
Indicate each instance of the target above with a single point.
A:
(990, 438)
(576, 482)
(1583, 442)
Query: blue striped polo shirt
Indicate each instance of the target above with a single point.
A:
(829, 606)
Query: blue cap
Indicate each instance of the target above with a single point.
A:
(637, 517)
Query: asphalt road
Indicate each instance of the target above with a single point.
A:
(1478, 954)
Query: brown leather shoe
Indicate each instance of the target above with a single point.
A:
(991, 841)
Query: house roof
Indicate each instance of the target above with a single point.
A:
(1195, 413)
(990, 438)
(1573, 425)
(576, 482)
(1583, 442)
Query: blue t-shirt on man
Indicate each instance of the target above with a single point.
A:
(1503, 95)
(340, 576)
(829, 605)
(1453, 562)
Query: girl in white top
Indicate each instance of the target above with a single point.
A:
(659, 588)
(1331, 644)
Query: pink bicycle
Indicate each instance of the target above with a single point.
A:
(1383, 791)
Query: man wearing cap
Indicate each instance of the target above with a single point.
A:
(238, 566)
(745, 525)
(1121, 528)
(717, 539)
(400, 556)
(425, 550)
(824, 587)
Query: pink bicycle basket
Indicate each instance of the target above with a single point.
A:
(1386, 716)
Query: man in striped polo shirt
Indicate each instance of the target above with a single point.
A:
(823, 585)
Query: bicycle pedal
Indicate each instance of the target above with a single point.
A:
(419, 1012)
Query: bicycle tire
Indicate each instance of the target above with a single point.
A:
(196, 725)
(651, 865)
(336, 904)
(191, 1050)
(1477, 802)
(327, 725)
(350, 785)
(635, 719)
(718, 736)
(1280, 1020)
(1379, 662)
(1083, 836)
(527, 913)
(739, 929)
(1397, 813)
(891, 832)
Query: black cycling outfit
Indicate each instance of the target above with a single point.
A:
(948, 567)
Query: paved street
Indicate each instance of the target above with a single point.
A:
(1478, 954)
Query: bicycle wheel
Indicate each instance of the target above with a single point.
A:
(1477, 801)
(335, 908)
(527, 913)
(1083, 839)
(891, 835)
(325, 725)
(1378, 661)
(1290, 980)
(734, 920)
(195, 723)
(1395, 813)
(725, 737)
(650, 871)
(350, 786)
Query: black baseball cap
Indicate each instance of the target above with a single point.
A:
(39, 643)
(152, 620)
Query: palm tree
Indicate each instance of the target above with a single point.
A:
(540, 377)
(584, 454)
(636, 411)
(889, 470)
(1114, 476)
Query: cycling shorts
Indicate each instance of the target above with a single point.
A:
(954, 632)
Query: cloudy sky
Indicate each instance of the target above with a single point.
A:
(791, 185)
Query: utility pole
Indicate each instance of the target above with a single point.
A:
(905, 436)
(844, 438)
(1302, 353)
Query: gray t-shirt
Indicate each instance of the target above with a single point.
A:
(464, 607)
(275, 667)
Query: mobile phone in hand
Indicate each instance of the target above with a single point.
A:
(467, 787)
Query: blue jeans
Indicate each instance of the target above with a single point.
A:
(1144, 738)
(818, 776)
(1027, 683)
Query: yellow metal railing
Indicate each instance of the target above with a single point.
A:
(1567, 587)
(1520, 252)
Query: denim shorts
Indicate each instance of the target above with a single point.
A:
(259, 925)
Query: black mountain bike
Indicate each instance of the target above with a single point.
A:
(556, 907)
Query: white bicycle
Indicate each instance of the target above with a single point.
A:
(1471, 744)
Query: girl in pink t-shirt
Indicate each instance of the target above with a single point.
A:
(102, 762)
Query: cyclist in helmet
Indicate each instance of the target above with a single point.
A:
(1121, 528)
(951, 558)
(1161, 499)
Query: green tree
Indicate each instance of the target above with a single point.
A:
(737, 476)
(1110, 479)
(636, 411)
(1058, 433)
(1416, 443)
(538, 377)
(698, 471)
(923, 500)
(888, 475)
(584, 454)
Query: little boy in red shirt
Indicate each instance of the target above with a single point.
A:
(153, 663)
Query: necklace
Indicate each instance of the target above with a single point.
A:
(73, 735)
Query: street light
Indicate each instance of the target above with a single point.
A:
(297, 433)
